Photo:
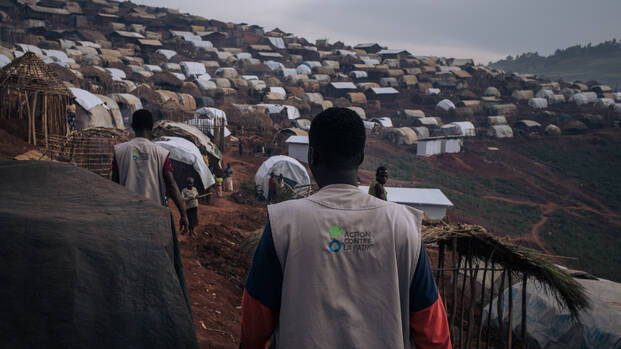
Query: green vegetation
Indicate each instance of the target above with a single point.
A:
(584, 63)
(587, 238)
(465, 191)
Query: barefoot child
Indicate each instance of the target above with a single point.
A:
(190, 196)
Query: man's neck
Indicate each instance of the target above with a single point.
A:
(143, 134)
(331, 177)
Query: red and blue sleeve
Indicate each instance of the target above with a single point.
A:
(167, 165)
(428, 322)
(261, 299)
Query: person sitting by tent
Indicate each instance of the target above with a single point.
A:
(190, 196)
(377, 187)
(341, 269)
(273, 188)
(228, 178)
(144, 167)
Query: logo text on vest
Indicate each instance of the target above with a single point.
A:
(353, 241)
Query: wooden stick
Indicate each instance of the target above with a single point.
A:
(524, 311)
(510, 314)
(29, 119)
(461, 310)
(45, 119)
(34, 123)
(489, 312)
(473, 277)
(500, 307)
(454, 295)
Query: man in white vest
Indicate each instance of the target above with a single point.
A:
(144, 167)
(341, 268)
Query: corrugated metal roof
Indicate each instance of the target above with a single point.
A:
(344, 85)
(419, 196)
(384, 90)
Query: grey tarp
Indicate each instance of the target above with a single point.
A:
(86, 263)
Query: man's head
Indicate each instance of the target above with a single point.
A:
(336, 143)
(381, 174)
(189, 182)
(142, 121)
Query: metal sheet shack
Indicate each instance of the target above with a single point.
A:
(298, 148)
(431, 201)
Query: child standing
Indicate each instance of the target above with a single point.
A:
(190, 196)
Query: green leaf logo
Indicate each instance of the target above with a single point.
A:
(335, 231)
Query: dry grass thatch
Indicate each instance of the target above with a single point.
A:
(475, 241)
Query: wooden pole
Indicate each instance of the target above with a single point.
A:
(45, 119)
(483, 298)
(471, 308)
(461, 310)
(34, 121)
(454, 295)
(524, 339)
(510, 314)
(29, 119)
(500, 307)
(489, 311)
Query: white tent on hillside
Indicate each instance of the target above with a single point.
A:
(293, 172)
(206, 119)
(465, 128)
(445, 105)
(538, 103)
(500, 131)
(384, 121)
(583, 98)
(186, 152)
(193, 68)
(298, 148)
(292, 112)
(92, 112)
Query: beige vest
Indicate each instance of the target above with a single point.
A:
(348, 260)
(140, 164)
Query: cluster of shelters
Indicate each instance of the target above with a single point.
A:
(189, 69)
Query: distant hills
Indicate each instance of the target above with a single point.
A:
(601, 63)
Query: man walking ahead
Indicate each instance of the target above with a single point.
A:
(143, 166)
(341, 268)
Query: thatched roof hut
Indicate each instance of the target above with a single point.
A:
(32, 96)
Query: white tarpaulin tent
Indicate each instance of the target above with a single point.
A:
(291, 169)
(185, 151)
(86, 99)
(167, 53)
(552, 327)
(193, 68)
(292, 112)
(466, 128)
(538, 103)
(583, 98)
(4, 60)
(445, 105)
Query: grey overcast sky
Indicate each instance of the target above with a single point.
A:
(481, 29)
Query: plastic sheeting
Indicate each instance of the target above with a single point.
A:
(466, 128)
(583, 98)
(543, 93)
(384, 122)
(288, 167)
(538, 103)
(278, 90)
(277, 42)
(303, 69)
(243, 55)
(4, 60)
(445, 105)
(500, 131)
(210, 113)
(167, 53)
(292, 112)
(86, 99)
(552, 327)
(59, 56)
(193, 68)
(274, 66)
(358, 74)
(117, 74)
(152, 68)
(432, 91)
(185, 151)
(605, 103)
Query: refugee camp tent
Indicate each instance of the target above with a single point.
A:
(191, 69)
(574, 127)
(185, 152)
(538, 103)
(192, 134)
(293, 172)
(496, 120)
(584, 98)
(500, 131)
(291, 111)
(383, 121)
(491, 92)
(556, 99)
(543, 93)
(604, 103)
(92, 111)
(465, 128)
(128, 104)
(552, 130)
(527, 126)
(96, 266)
(551, 326)
(209, 120)
(412, 114)
(522, 95)
(445, 105)
(114, 110)
(503, 109)
(401, 135)
(360, 111)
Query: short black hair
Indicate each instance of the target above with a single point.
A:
(380, 169)
(142, 120)
(337, 136)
